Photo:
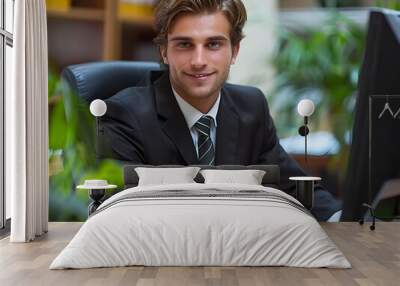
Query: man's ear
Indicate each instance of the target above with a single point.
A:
(163, 53)
(235, 52)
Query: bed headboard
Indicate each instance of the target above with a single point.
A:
(270, 179)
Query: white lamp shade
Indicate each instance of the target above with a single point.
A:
(305, 107)
(98, 107)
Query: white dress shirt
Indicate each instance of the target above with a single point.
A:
(192, 115)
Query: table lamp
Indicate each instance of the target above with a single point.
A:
(305, 185)
(98, 108)
(305, 108)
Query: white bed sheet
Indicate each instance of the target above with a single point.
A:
(196, 231)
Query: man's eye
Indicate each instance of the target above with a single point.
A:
(184, 45)
(214, 45)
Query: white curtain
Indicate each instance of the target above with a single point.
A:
(26, 124)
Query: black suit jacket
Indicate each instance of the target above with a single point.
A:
(146, 126)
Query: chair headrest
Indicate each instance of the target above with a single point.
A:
(101, 80)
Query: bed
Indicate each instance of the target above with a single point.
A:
(201, 222)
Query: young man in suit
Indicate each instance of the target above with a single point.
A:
(190, 115)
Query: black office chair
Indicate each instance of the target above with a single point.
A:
(101, 80)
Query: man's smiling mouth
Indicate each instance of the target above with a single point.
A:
(199, 75)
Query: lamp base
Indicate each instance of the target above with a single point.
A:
(96, 195)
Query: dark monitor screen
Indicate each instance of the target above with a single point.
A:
(375, 146)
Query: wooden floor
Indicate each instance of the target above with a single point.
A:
(374, 255)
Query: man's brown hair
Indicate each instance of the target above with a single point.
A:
(168, 10)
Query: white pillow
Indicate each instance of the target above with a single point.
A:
(248, 177)
(165, 176)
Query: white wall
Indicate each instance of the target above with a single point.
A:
(252, 66)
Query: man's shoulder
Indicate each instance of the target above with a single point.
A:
(239, 89)
(244, 94)
(137, 94)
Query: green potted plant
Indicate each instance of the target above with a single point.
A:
(321, 64)
(72, 158)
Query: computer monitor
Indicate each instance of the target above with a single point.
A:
(375, 146)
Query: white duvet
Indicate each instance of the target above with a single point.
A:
(183, 231)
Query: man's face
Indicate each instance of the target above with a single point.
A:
(199, 54)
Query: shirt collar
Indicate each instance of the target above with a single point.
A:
(191, 114)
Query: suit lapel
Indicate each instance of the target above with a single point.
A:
(174, 124)
(227, 131)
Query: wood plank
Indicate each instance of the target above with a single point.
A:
(78, 14)
(137, 20)
(112, 38)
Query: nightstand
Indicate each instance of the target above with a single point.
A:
(305, 190)
(97, 190)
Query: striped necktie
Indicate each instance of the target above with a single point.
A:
(206, 152)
